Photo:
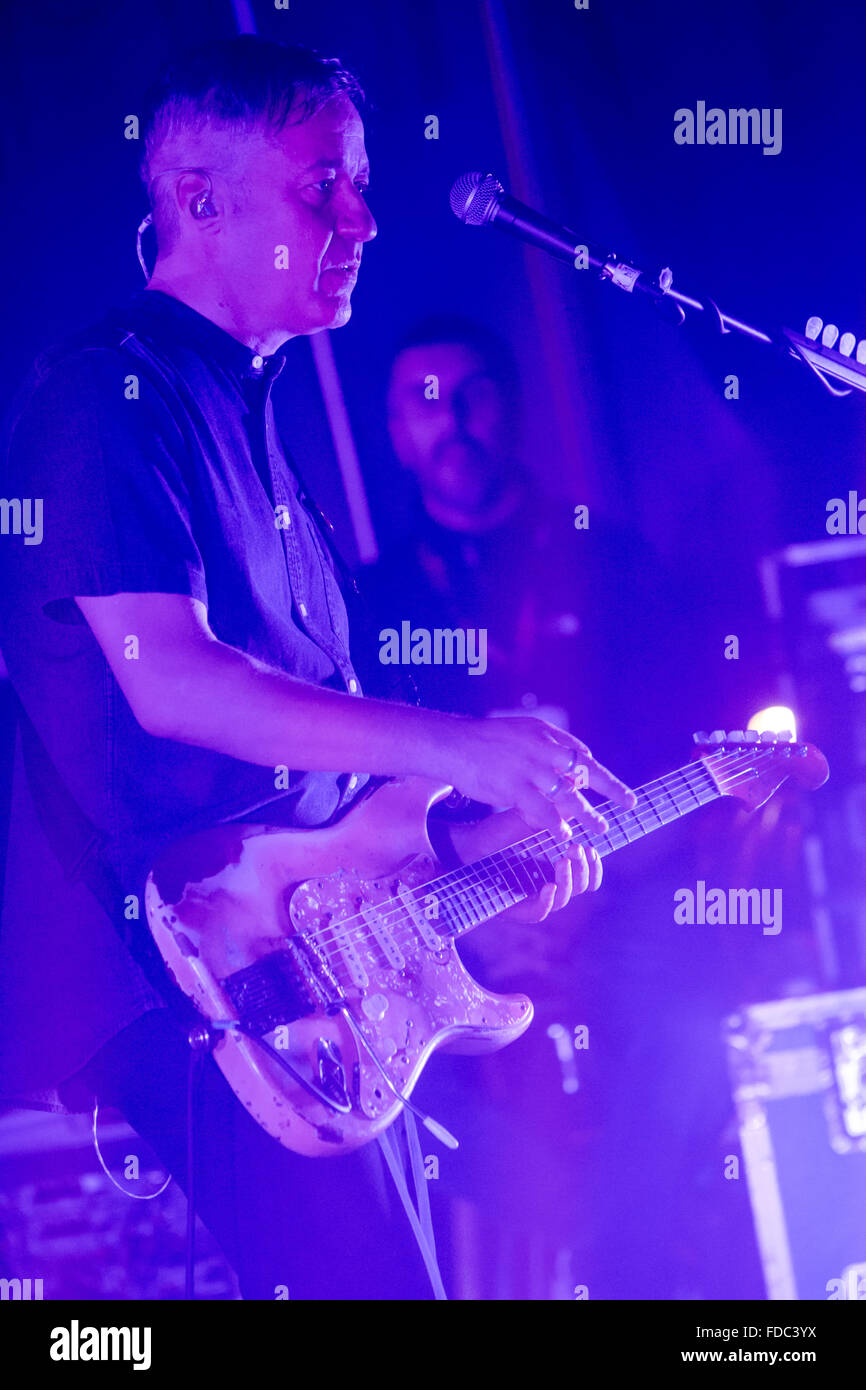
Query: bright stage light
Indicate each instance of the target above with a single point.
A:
(775, 720)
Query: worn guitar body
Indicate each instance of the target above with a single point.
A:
(248, 919)
(325, 958)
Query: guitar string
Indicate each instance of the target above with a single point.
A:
(354, 931)
(460, 878)
(453, 880)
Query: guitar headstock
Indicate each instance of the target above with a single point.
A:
(826, 335)
(831, 354)
(751, 766)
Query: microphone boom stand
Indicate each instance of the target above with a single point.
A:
(482, 201)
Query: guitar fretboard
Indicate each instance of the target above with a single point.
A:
(473, 893)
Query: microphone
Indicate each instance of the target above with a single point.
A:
(479, 200)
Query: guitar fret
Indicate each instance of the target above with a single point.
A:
(526, 872)
(477, 900)
(474, 893)
(603, 843)
(534, 871)
(669, 794)
(656, 810)
(698, 771)
(449, 921)
(499, 865)
(632, 830)
(615, 821)
(690, 790)
(643, 805)
(519, 890)
(458, 902)
(469, 895)
(492, 886)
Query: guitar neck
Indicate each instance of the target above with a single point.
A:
(473, 893)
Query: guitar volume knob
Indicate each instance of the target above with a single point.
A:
(375, 1007)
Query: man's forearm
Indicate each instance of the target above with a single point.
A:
(187, 685)
(236, 705)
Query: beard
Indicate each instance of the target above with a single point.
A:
(464, 472)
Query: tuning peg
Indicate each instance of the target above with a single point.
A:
(751, 736)
(768, 736)
(829, 336)
(860, 354)
(717, 736)
(846, 344)
(735, 736)
(701, 738)
(813, 327)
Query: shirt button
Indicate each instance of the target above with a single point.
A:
(353, 782)
(258, 362)
(353, 686)
(302, 609)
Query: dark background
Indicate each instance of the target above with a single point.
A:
(774, 238)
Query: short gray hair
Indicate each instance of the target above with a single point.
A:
(245, 83)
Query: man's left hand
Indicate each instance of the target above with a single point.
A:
(577, 870)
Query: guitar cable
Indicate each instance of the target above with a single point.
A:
(203, 1038)
(136, 1196)
(421, 1220)
(200, 1042)
(436, 1129)
(342, 1107)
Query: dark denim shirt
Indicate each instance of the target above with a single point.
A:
(150, 440)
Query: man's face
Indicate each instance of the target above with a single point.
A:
(303, 190)
(457, 446)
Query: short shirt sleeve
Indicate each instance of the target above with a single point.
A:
(96, 492)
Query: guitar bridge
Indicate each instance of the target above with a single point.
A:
(269, 993)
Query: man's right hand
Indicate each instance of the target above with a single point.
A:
(187, 685)
(530, 766)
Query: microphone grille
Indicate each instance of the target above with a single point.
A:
(474, 197)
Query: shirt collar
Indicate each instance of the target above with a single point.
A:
(211, 340)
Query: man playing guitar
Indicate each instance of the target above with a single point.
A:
(179, 647)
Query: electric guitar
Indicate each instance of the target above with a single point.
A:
(326, 959)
